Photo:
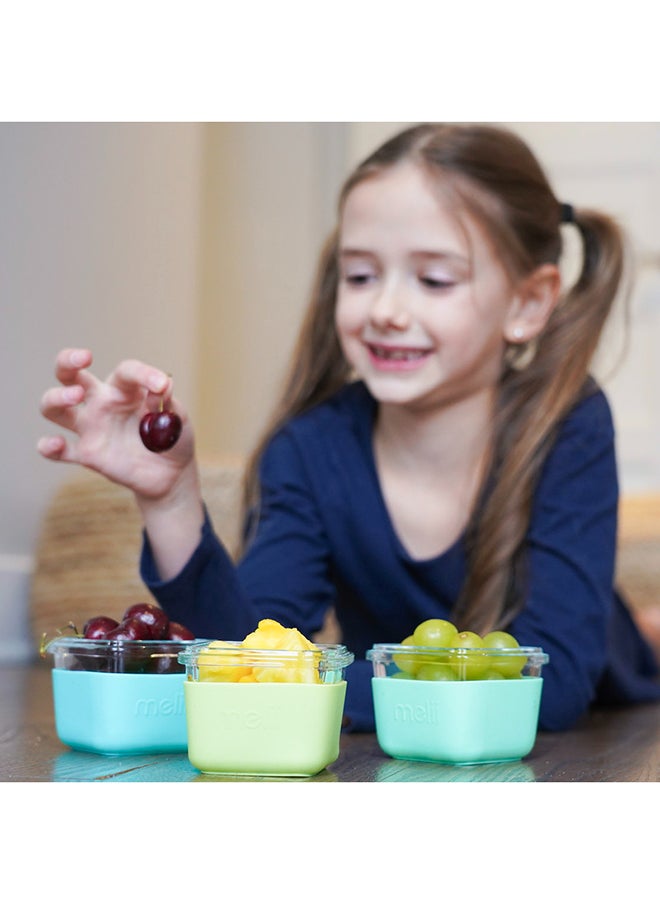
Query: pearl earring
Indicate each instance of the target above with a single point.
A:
(518, 333)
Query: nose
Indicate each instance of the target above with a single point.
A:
(389, 310)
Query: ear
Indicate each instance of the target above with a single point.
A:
(534, 301)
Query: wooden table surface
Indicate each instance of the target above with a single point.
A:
(615, 745)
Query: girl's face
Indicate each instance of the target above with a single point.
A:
(423, 304)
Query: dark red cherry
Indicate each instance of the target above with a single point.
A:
(97, 628)
(129, 658)
(159, 430)
(130, 629)
(179, 632)
(152, 616)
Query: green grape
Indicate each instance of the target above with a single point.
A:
(436, 672)
(406, 675)
(467, 660)
(493, 675)
(509, 665)
(435, 632)
(500, 640)
(409, 664)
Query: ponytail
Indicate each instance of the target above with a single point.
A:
(532, 402)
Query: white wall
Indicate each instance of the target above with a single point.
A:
(616, 166)
(99, 237)
(269, 203)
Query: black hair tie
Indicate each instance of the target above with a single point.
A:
(566, 213)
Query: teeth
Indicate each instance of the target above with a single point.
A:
(397, 354)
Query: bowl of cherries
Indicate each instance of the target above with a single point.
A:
(118, 684)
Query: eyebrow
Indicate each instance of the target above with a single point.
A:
(423, 254)
(354, 252)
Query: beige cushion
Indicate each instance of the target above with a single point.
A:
(638, 563)
(87, 555)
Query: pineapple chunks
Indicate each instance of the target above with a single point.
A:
(240, 665)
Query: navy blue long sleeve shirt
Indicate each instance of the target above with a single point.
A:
(324, 538)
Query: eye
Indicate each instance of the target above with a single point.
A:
(359, 278)
(437, 282)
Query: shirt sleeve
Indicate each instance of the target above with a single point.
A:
(206, 595)
(284, 574)
(571, 558)
(287, 565)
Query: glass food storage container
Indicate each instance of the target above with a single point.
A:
(119, 696)
(456, 706)
(264, 711)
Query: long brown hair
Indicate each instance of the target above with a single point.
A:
(497, 179)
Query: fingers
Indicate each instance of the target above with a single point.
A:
(69, 362)
(54, 448)
(141, 384)
(58, 448)
(132, 377)
(59, 404)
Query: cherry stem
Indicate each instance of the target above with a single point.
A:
(162, 398)
(59, 632)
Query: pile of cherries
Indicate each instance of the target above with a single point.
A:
(140, 622)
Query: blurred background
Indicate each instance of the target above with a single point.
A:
(193, 246)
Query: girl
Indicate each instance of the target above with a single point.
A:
(439, 450)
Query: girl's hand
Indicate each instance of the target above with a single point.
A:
(104, 419)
